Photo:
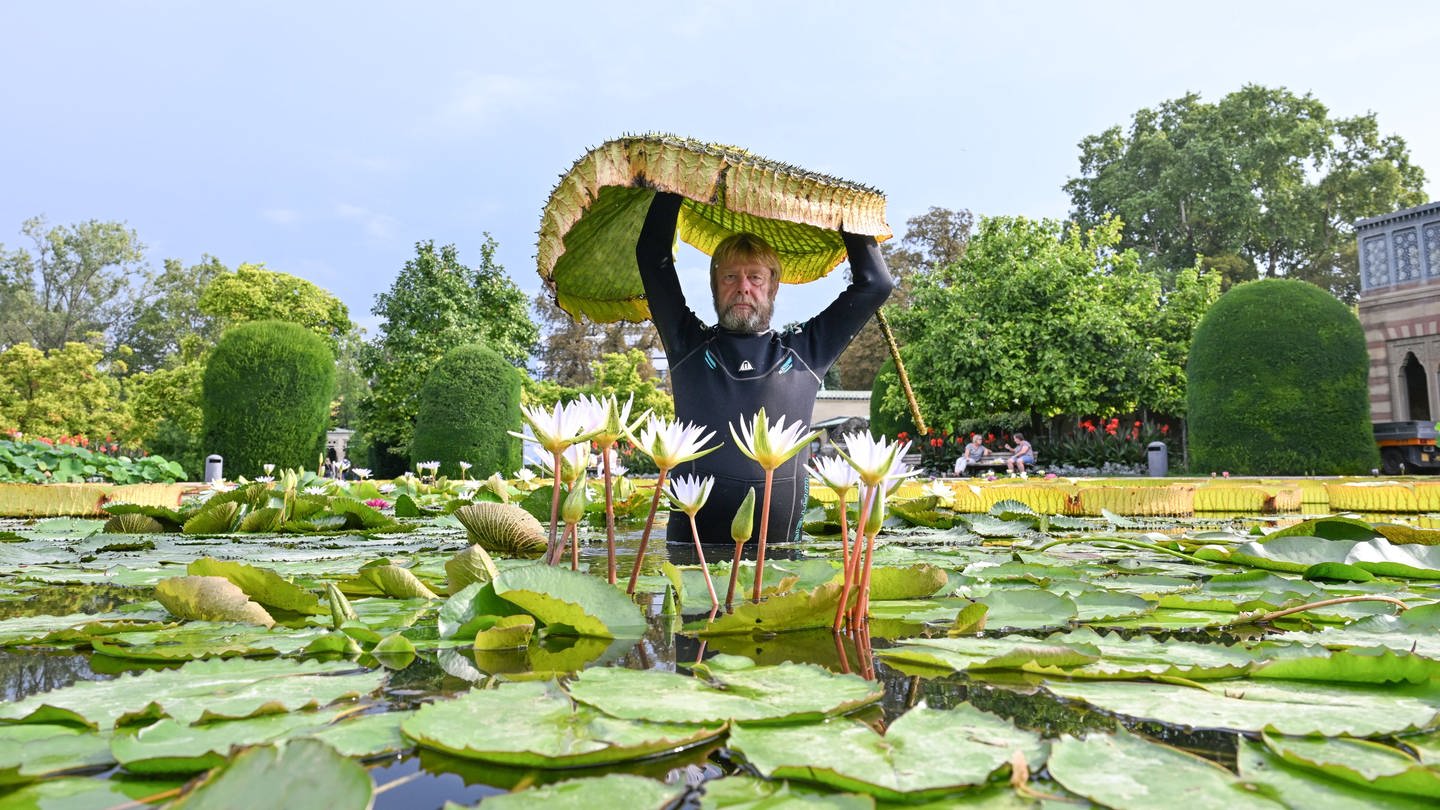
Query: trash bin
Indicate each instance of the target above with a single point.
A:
(1159, 456)
(214, 468)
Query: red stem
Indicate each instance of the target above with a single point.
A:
(734, 574)
(609, 518)
(764, 530)
(844, 533)
(573, 530)
(853, 567)
(645, 538)
(699, 552)
(552, 551)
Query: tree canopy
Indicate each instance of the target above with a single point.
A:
(168, 313)
(436, 304)
(77, 281)
(1263, 183)
(255, 293)
(1048, 319)
(60, 392)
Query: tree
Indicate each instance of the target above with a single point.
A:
(935, 238)
(77, 281)
(1278, 384)
(624, 375)
(1263, 179)
(436, 304)
(169, 312)
(167, 407)
(571, 346)
(1042, 318)
(254, 293)
(60, 392)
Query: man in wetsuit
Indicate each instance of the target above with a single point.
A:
(723, 374)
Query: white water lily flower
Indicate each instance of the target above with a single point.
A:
(937, 489)
(265, 479)
(689, 492)
(221, 485)
(573, 461)
(874, 459)
(771, 445)
(361, 472)
(316, 490)
(268, 468)
(610, 419)
(386, 487)
(557, 428)
(524, 475)
(671, 443)
(465, 465)
(835, 473)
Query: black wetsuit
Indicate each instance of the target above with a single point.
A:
(720, 377)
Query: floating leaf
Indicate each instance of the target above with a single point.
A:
(298, 773)
(798, 610)
(506, 633)
(29, 752)
(926, 754)
(222, 518)
(168, 747)
(396, 582)
(612, 790)
(1290, 707)
(539, 727)
(262, 585)
(748, 793)
(1360, 762)
(569, 602)
(1125, 771)
(724, 688)
(471, 565)
(915, 582)
(394, 651)
(132, 523)
(214, 599)
(1303, 787)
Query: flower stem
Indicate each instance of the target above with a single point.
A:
(573, 532)
(764, 530)
(552, 550)
(851, 569)
(734, 573)
(844, 533)
(609, 518)
(700, 552)
(645, 538)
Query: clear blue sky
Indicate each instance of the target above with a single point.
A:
(325, 138)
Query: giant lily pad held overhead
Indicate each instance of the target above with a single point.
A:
(591, 222)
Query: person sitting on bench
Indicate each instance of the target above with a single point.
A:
(971, 454)
(1020, 455)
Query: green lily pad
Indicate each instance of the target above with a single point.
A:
(1328, 528)
(535, 725)
(77, 792)
(748, 793)
(1303, 787)
(797, 610)
(1290, 707)
(31, 751)
(200, 639)
(471, 565)
(298, 773)
(168, 747)
(506, 633)
(366, 736)
(926, 754)
(262, 585)
(196, 691)
(1124, 771)
(396, 582)
(1360, 762)
(470, 609)
(915, 582)
(724, 688)
(612, 790)
(568, 602)
(214, 599)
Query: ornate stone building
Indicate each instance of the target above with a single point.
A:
(1400, 311)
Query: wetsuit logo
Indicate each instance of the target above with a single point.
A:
(745, 366)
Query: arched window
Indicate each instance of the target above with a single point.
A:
(1417, 389)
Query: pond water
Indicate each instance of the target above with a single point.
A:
(63, 571)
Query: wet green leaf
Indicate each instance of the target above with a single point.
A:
(396, 582)
(1360, 762)
(798, 610)
(506, 633)
(614, 790)
(262, 585)
(725, 688)
(299, 773)
(537, 726)
(1125, 771)
(1301, 787)
(925, 754)
(31, 751)
(211, 599)
(568, 602)
(748, 793)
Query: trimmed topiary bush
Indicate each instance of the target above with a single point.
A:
(884, 421)
(468, 405)
(1277, 384)
(266, 397)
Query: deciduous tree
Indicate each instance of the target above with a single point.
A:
(60, 392)
(256, 293)
(78, 280)
(1264, 181)
(169, 312)
(435, 304)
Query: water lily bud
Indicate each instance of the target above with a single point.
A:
(341, 610)
(574, 507)
(744, 523)
(877, 512)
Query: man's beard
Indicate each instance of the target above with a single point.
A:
(754, 320)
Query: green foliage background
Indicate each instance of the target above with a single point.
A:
(889, 415)
(266, 397)
(1277, 384)
(467, 406)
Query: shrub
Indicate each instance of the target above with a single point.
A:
(469, 402)
(267, 397)
(885, 420)
(1277, 384)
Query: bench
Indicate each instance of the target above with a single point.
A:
(996, 462)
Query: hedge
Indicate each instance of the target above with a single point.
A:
(468, 405)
